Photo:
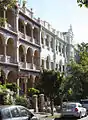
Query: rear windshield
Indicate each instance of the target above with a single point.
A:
(84, 101)
(69, 106)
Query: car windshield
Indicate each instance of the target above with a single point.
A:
(69, 106)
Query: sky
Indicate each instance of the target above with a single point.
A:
(60, 14)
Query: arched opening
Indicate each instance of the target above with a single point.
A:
(21, 25)
(28, 30)
(36, 81)
(47, 62)
(47, 41)
(21, 53)
(42, 38)
(1, 45)
(2, 77)
(12, 77)
(29, 55)
(10, 51)
(60, 65)
(10, 19)
(30, 82)
(36, 57)
(35, 34)
(22, 86)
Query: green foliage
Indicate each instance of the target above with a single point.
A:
(12, 86)
(2, 21)
(32, 91)
(82, 3)
(78, 71)
(20, 100)
(7, 3)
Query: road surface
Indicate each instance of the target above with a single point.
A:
(84, 118)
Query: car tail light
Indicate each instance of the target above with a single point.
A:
(76, 109)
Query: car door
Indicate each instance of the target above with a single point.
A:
(15, 115)
(25, 114)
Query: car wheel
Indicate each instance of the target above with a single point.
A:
(80, 115)
(86, 114)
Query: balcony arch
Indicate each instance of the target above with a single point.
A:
(36, 57)
(1, 44)
(10, 49)
(31, 81)
(29, 55)
(12, 77)
(21, 53)
(21, 25)
(35, 33)
(36, 80)
(28, 30)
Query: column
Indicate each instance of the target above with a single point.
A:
(25, 86)
(32, 34)
(18, 84)
(17, 21)
(41, 102)
(35, 103)
(25, 23)
(5, 8)
(25, 60)
(5, 59)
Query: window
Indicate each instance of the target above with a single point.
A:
(24, 112)
(15, 112)
(6, 114)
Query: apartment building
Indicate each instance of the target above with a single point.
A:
(27, 44)
(20, 47)
(56, 47)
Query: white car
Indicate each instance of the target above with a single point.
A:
(73, 109)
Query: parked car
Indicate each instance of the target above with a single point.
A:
(15, 112)
(73, 109)
(84, 103)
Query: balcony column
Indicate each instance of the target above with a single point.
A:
(25, 60)
(5, 58)
(25, 81)
(32, 34)
(25, 24)
(17, 52)
(5, 23)
(17, 21)
(18, 82)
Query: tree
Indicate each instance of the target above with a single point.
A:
(8, 4)
(82, 2)
(78, 71)
(51, 84)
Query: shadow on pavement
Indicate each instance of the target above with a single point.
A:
(65, 118)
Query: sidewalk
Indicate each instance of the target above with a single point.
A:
(45, 115)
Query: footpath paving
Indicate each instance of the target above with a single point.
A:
(46, 115)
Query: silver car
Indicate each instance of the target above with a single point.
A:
(15, 112)
(73, 109)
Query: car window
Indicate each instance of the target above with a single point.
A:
(69, 106)
(6, 114)
(15, 112)
(24, 112)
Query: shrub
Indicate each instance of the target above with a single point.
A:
(20, 100)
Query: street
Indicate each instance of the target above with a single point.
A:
(84, 118)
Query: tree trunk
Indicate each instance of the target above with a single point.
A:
(51, 104)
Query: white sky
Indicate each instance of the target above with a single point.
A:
(61, 13)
